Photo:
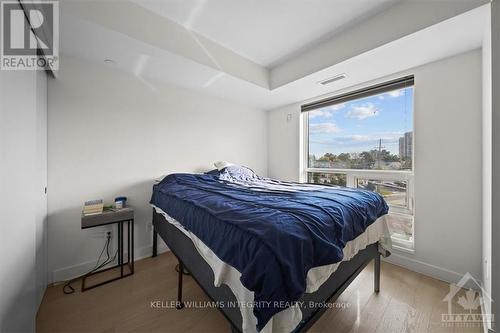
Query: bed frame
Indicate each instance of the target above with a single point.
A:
(189, 259)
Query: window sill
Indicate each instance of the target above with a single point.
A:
(403, 174)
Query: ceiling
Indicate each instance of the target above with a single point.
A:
(152, 63)
(261, 30)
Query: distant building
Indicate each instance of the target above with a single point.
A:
(406, 146)
(401, 147)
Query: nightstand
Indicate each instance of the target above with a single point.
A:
(109, 217)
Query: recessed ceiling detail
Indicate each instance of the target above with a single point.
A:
(266, 31)
(158, 50)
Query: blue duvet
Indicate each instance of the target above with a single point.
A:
(272, 232)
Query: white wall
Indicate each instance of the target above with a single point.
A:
(284, 143)
(112, 134)
(486, 152)
(40, 204)
(23, 273)
(448, 184)
(405, 17)
(495, 234)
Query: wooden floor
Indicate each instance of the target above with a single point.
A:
(407, 302)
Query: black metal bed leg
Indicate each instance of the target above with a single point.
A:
(155, 242)
(376, 273)
(180, 304)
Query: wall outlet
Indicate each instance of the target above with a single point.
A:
(108, 233)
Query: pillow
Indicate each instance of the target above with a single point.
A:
(159, 179)
(222, 164)
(212, 172)
(238, 172)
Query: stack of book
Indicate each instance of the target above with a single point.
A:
(93, 207)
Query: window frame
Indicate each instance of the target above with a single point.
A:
(352, 175)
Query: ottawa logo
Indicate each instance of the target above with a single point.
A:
(467, 306)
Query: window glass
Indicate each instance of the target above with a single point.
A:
(374, 133)
(394, 192)
(338, 179)
(400, 227)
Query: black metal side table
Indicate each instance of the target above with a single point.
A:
(120, 217)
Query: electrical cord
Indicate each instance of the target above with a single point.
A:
(68, 289)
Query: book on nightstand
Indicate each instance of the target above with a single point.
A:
(93, 207)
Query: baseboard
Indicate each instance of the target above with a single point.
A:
(427, 269)
(487, 323)
(70, 272)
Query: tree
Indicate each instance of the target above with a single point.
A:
(366, 158)
(386, 156)
(338, 179)
(331, 156)
(363, 160)
(344, 157)
(315, 177)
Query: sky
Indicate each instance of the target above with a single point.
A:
(357, 126)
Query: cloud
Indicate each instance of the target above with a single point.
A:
(326, 112)
(396, 93)
(364, 111)
(355, 143)
(319, 113)
(393, 94)
(360, 137)
(387, 137)
(337, 107)
(356, 139)
(353, 139)
(324, 128)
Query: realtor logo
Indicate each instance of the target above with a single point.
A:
(465, 305)
(29, 35)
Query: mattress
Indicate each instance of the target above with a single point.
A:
(289, 318)
(272, 232)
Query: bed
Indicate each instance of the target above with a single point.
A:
(272, 255)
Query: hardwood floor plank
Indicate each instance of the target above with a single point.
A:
(344, 318)
(407, 302)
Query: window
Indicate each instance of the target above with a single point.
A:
(395, 193)
(338, 179)
(364, 139)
